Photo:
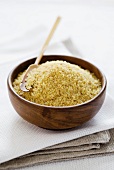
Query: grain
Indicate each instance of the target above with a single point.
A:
(59, 83)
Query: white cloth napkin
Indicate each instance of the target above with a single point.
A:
(92, 145)
(18, 137)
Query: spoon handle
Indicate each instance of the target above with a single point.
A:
(47, 40)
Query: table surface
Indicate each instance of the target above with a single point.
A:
(88, 23)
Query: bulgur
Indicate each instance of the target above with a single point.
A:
(59, 83)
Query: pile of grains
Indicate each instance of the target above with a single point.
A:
(59, 83)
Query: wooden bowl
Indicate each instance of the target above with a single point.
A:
(50, 117)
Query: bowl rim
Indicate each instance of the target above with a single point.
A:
(57, 107)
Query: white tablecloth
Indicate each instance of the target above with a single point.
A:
(90, 25)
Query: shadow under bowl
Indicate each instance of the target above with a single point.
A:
(50, 117)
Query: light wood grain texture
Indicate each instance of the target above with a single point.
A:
(32, 66)
(57, 117)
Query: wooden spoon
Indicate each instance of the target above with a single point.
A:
(35, 65)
